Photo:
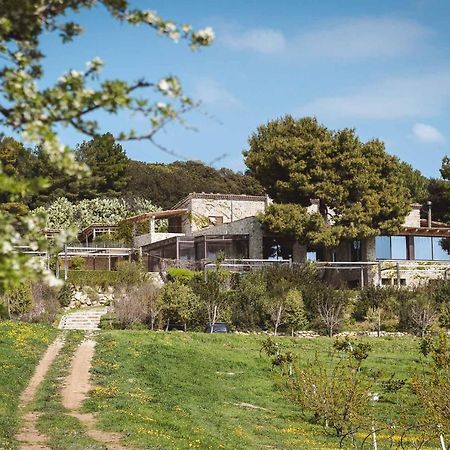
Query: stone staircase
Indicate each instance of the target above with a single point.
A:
(84, 319)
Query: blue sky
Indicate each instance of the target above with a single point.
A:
(382, 67)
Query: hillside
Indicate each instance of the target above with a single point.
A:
(166, 184)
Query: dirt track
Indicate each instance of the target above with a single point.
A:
(29, 437)
(75, 391)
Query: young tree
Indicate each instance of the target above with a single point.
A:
(36, 111)
(331, 304)
(423, 312)
(180, 303)
(357, 184)
(295, 315)
(213, 288)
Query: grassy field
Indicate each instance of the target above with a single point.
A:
(180, 391)
(21, 346)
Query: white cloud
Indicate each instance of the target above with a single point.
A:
(427, 133)
(392, 98)
(366, 37)
(210, 92)
(260, 40)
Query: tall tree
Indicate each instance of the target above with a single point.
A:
(107, 162)
(439, 193)
(160, 183)
(16, 162)
(358, 186)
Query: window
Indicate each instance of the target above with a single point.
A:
(423, 249)
(277, 248)
(398, 247)
(383, 247)
(216, 220)
(311, 256)
(390, 247)
(356, 252)
(439, 254)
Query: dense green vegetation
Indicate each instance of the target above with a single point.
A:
(160, 183)
(114, 175)
(193, 390)
(21, 346)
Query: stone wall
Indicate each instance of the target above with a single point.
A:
(248, 225)
(413, 218)
(231, 210)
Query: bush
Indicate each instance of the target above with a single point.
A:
(184, 276)
(45, 304)
(137, 304)
(18, 301)
(126, 274)
(181, 305)
(65, 294)
(78, 263)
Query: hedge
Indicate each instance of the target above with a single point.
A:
(101, 278)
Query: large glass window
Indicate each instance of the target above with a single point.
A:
(423, 248)
(383, 247)
(390, 247)
(277, 248)
(398, 247)
(439, 254)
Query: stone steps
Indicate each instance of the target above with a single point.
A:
(88, 319)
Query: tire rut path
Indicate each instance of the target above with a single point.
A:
(75, 390)
(29, 437)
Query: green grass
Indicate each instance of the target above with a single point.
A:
(180, 391)
(63, 431)
(21, 346)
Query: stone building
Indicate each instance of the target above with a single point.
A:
(202, 225)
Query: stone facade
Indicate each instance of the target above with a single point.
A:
(249, 226)
(413, 218)
(209, 210)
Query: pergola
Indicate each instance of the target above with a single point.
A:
(151, 217)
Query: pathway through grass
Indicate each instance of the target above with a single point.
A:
(21, 347)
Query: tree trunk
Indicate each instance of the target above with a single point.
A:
(278, 319)
(167, 324)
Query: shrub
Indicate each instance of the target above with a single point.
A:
(18, 300)
(213, 289)
(376, 297)
(182, 275)
(78, 263)
(248, 301)
(45, 304)
(126, 274)
(137, 304)
(181, 305)
(65, 294)
(418, 311)
(336, 393)
(331, 304)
